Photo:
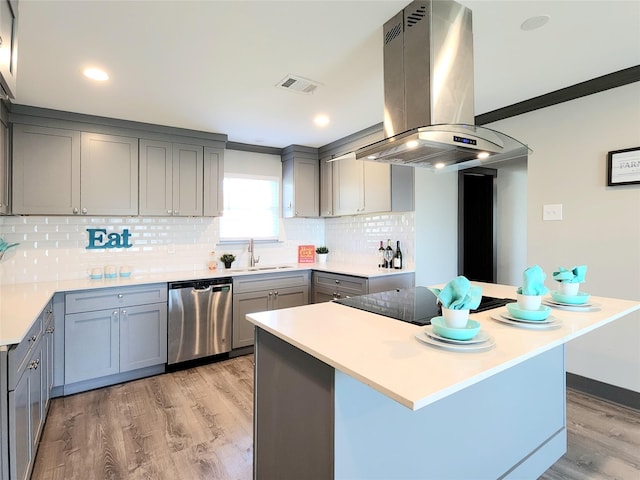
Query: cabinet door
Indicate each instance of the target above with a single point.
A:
(109, 175)
(156, 173)
(301, 188)
(91, 342)
(20, 428)
(36, 397)
(46, 170)
(143, 336)
(187, 180)
(348, 186)
(243, 304)
(213, 181)
(326, 188)
(5, 171)
(290, 297)
(321, 295)
(8, 45)
(377, 187)
(47, 367)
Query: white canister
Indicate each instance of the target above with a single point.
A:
(125, 270)
(95, 273)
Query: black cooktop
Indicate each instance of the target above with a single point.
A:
(414, 305)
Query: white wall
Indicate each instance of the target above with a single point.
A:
(436, 214)
(601, 225)
(512, 221)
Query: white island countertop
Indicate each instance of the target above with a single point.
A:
(21, 303)
(384, 354)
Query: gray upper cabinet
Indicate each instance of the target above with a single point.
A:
(46, 170)
(326, 189)
(8, 46)
(5, 170)
(171, 178)
(213, 181)
(65, 172)
(108, 175)
(300, 182)
(361, 187)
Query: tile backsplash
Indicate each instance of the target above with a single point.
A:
(54, 248)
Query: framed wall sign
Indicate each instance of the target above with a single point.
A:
(623, 167)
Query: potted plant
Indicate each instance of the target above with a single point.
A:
(227, 259)
(322, 253)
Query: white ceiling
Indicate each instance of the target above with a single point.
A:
(212, 65)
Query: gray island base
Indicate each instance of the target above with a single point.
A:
(341, 393)
(315, 422)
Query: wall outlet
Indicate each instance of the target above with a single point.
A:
(552, 212)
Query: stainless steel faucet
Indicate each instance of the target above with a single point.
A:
(252, 259)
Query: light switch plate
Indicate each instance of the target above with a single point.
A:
(552, 212)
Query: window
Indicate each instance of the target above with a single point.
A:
(251, 208)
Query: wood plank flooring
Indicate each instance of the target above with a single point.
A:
(196, 424)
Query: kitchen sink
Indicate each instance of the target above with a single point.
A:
(258, 269)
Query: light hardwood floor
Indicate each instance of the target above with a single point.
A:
(197, 424)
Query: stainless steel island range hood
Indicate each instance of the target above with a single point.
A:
(428, 93)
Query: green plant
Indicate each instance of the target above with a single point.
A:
(227, 257)
(322, 250)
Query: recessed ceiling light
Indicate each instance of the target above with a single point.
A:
(535, 22)
(412, 144)
(439, 165)
(96, 74)
(482, 155)
(321, 120)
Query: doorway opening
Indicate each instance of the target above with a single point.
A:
(477, 224)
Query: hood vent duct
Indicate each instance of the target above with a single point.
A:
(428, 93)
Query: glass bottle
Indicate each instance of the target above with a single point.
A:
(397, 259)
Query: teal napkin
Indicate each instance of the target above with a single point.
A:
(459, 294)
(575, 275)
(533, 281)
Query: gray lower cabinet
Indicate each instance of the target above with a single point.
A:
(113, 331)
(259, 293)
(332, 286)
(28, 393)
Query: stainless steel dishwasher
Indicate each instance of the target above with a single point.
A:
(200, 316)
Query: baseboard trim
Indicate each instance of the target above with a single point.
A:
(605, 391)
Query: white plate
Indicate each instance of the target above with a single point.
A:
(508, 316)
(474, 347)
(481, 336)
(585, 307)
(530, 325)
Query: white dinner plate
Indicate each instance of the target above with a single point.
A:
(508, 316)
(474, 347)
(481, 336)
(556, 323)
(585, 307)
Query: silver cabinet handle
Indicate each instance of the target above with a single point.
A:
(33, 338)
(50, 330)
(84, 210)
(120, 295)
(75, 210)
(169, 212)
(124, 314)
(176, 212)
(115, 315)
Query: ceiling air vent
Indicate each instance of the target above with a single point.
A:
(298, 84)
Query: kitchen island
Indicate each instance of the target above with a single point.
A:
(342, 393)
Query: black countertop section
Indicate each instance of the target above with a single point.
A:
(414, 305)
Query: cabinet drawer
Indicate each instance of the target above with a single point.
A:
(255, 283)
(102, 298)
(345, 284)
(19, 354)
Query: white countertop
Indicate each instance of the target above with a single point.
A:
(20, 304)
(384, 353)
